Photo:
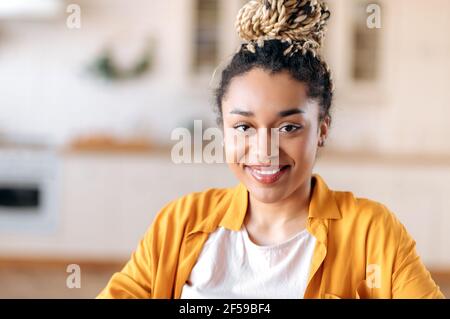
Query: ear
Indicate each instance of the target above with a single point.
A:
(324, 127)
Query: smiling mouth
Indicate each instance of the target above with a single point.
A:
(266, 174)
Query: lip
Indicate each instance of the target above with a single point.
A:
(267, 174)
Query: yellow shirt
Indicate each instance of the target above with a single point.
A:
(362, 250)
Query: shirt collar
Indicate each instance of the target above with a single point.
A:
(323, 204)
(235, 214)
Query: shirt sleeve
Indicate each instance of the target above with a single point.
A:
(134, 280)
(410, 279)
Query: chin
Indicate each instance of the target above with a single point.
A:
(267, 192)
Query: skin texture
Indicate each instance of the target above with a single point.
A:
(251, 107)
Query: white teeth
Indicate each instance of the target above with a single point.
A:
(271, 172)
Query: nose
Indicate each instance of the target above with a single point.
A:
(266, 146)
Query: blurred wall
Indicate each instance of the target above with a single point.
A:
(406, 109)
(46, 89)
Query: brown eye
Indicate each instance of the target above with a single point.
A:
(289, 128)
(245, 129)
(241, 127)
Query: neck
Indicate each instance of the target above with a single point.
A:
(291, 209)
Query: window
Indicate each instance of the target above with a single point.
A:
(365, 45)
(206, 44)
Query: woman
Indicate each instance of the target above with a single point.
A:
(281, 232)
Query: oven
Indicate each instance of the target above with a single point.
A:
(29, 189)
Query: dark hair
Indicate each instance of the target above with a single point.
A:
(306, 68)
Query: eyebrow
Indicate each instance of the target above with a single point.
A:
(280, 114)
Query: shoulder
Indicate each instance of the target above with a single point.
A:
(369, 227)
(194, 207)
(367, 215)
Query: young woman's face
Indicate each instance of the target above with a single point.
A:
(255, 103)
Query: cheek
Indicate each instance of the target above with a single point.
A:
(302, 150)
(235, 147)
(246, 149)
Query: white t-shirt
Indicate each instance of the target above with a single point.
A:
(231, 266)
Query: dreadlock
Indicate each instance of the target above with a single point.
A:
(281, 35)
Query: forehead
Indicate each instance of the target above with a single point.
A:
(260, 89)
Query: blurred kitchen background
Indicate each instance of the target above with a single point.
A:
(86, 113)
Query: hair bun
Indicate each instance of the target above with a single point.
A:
(300, 21)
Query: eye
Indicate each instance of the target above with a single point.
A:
(244, 128)
(241, 127)
(289, 128)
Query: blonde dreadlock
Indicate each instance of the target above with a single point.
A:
(282, 35)
(301, 23)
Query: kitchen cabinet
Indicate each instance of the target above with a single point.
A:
(109, 200)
